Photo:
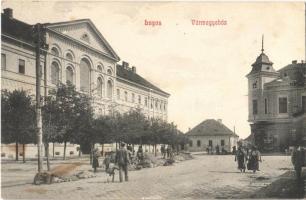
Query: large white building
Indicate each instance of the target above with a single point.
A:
(78, 53)
(277, 104)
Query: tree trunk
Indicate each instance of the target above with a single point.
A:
(155, 150)
(102, 150)
(53, 150)
(47, 155)
(17, 151)
(65, 144)
(133, 149)
(23, 152)
(91, 154)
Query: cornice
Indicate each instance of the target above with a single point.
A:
(141, 86)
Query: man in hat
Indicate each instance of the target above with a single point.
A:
(298, 160)
(122, 160)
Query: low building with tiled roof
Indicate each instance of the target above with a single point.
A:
(211, 134)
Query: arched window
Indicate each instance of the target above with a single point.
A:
(69, 74)
(109, 72)
(54, 51)
(55, 73)
(109, 89)
(100, 86)
(85, 75)
(69, 57)
(99, 68)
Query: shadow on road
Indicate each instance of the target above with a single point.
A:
(287, 187)
(225, 172)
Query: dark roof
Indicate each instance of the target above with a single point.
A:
(129, 75)
(210, 127)
(17, 29)
(262, 63)
(262, 59)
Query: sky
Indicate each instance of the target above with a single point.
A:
(202, 67)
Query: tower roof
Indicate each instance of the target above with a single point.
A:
(262, 59)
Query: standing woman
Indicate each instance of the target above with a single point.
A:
(254, 159)
(95, 161)
(240, 157)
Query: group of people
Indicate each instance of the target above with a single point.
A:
(166, 152)
(210, 150)
(121, 158)
(118, 159)
(248, 158)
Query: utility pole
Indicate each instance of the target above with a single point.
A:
(38, 99)
(39, 41)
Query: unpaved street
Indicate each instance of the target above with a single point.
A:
(200, 178)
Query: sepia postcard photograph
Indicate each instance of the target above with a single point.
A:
(153, 100)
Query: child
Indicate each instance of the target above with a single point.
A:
(110, 166)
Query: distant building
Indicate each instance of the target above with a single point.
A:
(277, 104)
(209, 134)
(80, 54)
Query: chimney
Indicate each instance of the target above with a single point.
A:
(294, 61)
(125, 64)
(220, 121)
(8, 12)
(134, 69)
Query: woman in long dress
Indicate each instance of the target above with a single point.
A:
(254, 159)
(240, 157)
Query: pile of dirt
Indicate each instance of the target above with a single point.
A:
(182, 156)
(65, 169)
(74, 177)
(151, 161)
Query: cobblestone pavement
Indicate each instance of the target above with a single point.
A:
(200, 178)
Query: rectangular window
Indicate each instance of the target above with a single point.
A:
(3, 61)
(125, 96)
(133, 97)
(255, 106)
(139, 99)
(152, 100)
(222, 142)
(304, 103)
(199, 143)
(210, 143)
(146, 102)
(266, 106)
(282, 103)
(118, 94)
(21, 66)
